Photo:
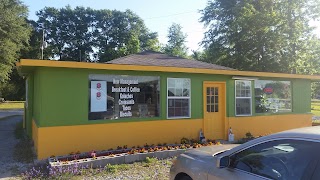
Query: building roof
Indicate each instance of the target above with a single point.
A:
(156, 62)
(151, 58)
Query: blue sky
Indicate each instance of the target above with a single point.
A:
(157, 15)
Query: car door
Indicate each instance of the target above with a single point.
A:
(316, 170)
(278, 159)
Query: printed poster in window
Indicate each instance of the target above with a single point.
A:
(98, 96)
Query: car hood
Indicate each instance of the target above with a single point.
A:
(198, 162)
(209, 151)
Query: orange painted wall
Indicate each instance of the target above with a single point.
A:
(62, 140)
(264, 125)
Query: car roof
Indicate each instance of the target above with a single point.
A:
(305, 133)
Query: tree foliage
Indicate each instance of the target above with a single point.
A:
(264, 35)
(88, 35)
(14, 34)
(14, 87)
(176, 41)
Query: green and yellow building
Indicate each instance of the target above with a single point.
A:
(154, 98)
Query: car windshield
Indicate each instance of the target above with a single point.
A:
(286, 159)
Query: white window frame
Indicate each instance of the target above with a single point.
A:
(178, 97)
(250, 98)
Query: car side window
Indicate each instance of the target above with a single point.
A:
(279, 159)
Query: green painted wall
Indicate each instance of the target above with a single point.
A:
(29, 108)
(61, 95)
(37, 101)
(301, 100)
(230, 98)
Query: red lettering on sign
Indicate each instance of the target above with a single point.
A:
(268, 90)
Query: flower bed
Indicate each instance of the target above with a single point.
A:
(123, 155)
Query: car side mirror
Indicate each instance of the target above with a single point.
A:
(223, 162)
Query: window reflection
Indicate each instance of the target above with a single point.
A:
(272, 96)
(122, 96)
(282, 159)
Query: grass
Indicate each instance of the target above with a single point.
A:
(315, 107)
(116, 168)
(12, 105)
(151, 168)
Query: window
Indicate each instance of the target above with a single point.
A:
(122, 96)
(212, 99)
(272, 96)
(178, 98)
(243, 98)
(280, 159)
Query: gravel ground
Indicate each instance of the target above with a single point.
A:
(8, 166)
(10, 169)
(154, 170)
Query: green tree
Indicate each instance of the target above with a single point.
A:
(68, 31)
(176, 41)
(121, 34)
(90, 35)
(263, 35)
(33, 49)
(199, 55)
(14, 34)
(14, 88)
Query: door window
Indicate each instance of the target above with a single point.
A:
(281, 159)
(212, 99)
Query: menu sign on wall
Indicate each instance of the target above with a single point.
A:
(126, 88)
(98, 96)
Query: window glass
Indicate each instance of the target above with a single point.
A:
(272, 96)
(212, 99)
(122, 96)
(178, 101)
(243, 106)
(243, 97)
(243, 88)
(281, 159)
